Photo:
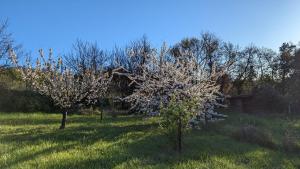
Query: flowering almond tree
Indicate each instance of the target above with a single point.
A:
(68, 90)
(181, 87)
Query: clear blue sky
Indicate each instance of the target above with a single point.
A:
(58, 23)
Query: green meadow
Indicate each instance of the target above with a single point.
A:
(33, 140)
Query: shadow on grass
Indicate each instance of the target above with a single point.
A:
(30, 155)
(155, 150)
(89, 133)
(150, 147)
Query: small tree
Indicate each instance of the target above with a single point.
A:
(68, 90)
(175, 117)
(285, 65)
(193, 89)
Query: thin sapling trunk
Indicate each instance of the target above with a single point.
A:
(179, 135)
(63, 120)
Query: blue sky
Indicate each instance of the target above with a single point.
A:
(58, 23)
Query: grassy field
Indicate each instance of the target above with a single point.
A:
(32, 140)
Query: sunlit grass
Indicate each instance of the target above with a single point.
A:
(34, 141)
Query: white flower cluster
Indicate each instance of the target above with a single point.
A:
(181, 77)
(51, 78)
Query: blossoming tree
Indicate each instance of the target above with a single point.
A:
(68, 90)
(179, 87)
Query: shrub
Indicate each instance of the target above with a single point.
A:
(252, 134)
(15, 96)
(289, 143)
(268, 100)
(24, 101)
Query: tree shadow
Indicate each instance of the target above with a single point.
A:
(91, 133)
(29, 156)
(154, 150)
(82, 136)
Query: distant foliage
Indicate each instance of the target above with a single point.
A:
(266, 99)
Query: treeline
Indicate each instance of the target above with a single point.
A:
(270, 77)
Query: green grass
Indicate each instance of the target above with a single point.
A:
(32, 140)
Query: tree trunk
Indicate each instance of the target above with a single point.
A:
(94, 109)
(206, 121)
(289, 108)
(179, 136)
(63, 120)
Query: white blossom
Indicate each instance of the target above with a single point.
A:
(182, 77)
(51, 78)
